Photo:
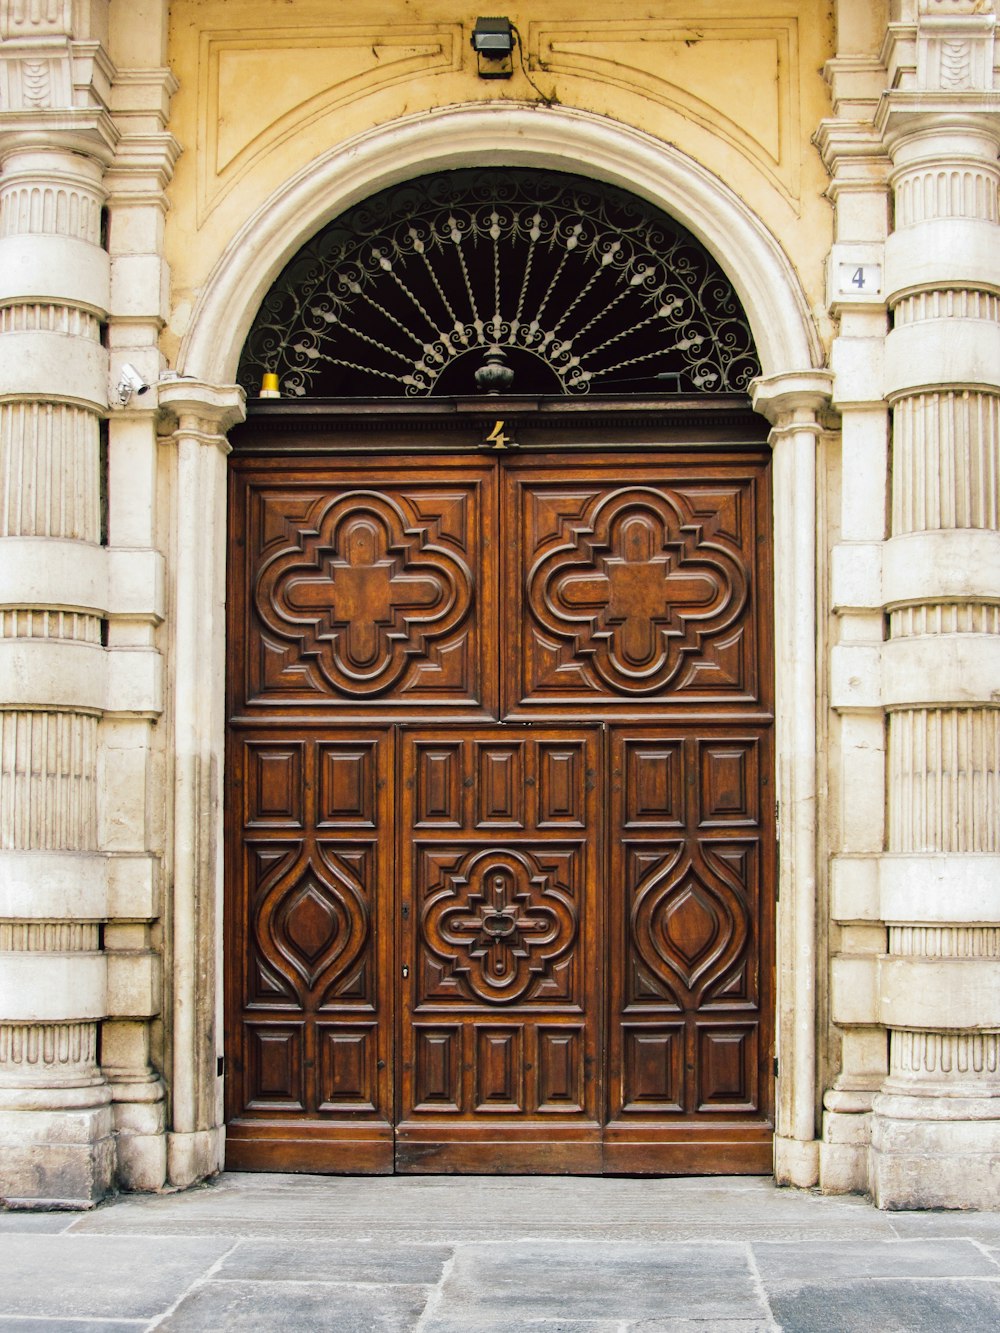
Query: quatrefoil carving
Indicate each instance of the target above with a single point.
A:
(499, 924)
(362, 593)
(635, 588)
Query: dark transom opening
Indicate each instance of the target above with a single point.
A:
(526, 282)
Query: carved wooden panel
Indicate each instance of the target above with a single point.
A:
(500, 858)
(500, 903)
(634, 587)
(691, 913)
(308, 934)
(364, 590)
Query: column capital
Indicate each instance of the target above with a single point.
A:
(793, 399)
(192, 407)
(964, 122)
(83, 131)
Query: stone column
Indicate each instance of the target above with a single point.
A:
(55, 1119)
(792, 403)
(202, 414)
(936, 1123)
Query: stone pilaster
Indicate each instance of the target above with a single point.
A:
(133, 825)
(936, 1123)
(200, 414)
(858, 166)
(794, 403)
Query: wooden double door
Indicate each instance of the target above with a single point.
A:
(500, 877)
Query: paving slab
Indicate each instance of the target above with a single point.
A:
(704, 1326)
(888, 1307)
(334, 1261)
(982, 1227)
(306, 1307)
(525, 1326)
(101, 1277)
(35, 1223)
(576, 1280)
(451, 1210)
(19, 1325)
(809, 1261)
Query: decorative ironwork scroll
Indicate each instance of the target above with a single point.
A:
(586, 289)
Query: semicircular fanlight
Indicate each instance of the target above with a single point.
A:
(584, 288)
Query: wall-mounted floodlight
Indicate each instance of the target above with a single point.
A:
(493, 43)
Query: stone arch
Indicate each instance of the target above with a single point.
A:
(509, 135)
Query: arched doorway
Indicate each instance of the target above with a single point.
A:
(500, 830)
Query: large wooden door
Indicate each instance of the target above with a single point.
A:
(499, 844)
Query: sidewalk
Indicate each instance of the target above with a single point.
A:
(497, 1255)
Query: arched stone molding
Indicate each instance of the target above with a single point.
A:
(790, 393)
(510, 135)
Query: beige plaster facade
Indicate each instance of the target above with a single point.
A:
(158, 167)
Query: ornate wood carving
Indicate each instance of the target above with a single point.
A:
(639, 589)
(517, 916)
(369, 594)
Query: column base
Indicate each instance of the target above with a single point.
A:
(935, 1151)
(843, 1153)
(139, 1114)
(847, 1132)
(194, 1156)
(56, 1157)
(796, 1162)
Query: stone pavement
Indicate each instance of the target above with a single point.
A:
(497, 1255)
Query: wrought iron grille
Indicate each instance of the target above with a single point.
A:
(582, 287)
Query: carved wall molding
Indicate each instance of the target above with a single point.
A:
(945, 1054)
(41, 78)
(35, 18)
(42, 195)
(309, 72)
(673, 62)
(49, 936)
(32, 317)
(956, 190)
(945, 451)
(48, 780)
(58, 443)
(947, 303)
(945, 941)
(944, 618)
(40, 1046)
(35, 624)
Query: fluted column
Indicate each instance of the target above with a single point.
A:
(936, 1125)
(55, 1120)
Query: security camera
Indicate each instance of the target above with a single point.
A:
(130, 382)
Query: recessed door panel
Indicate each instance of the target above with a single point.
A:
(632, 587)
(309, 951)
(364, 590)
(500, 960)
(690, 915)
